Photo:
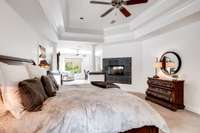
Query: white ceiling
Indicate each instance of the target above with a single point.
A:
(59, 20)
(92, 12)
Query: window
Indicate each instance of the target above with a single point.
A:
(73, 65)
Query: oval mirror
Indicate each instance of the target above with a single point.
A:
(171, 63)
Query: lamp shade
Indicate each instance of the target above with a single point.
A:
(157, 65)
(44, 63)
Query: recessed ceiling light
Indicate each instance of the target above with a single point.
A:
(113, 22)
(81, 18)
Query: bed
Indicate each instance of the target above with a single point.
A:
(86, 109)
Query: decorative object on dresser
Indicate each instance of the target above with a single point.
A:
(168, 93)
(157, 65)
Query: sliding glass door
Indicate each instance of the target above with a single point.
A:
(73, 69)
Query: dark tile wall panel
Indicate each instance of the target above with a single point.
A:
(126, 62)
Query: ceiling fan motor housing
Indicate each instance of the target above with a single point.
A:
(117, 3)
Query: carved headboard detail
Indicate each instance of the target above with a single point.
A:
(14, 60)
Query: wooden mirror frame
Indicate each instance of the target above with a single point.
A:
(179, 62)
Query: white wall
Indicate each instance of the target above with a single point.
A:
(17, 38)
(128, 49)
(185, 41)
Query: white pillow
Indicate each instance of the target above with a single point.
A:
(35, 71)
(3, 109)
(12, 75)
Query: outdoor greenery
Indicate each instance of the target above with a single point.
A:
(73, 68)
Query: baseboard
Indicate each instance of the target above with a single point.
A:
(133, 90)
(192, 109)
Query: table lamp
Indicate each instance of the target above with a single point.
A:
(157, 65)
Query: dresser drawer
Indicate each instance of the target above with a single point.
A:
(160, 96)
(160, 87)
(160, 90)
(160, 83)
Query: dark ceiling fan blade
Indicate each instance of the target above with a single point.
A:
(107, 12)
(100, 2)
(124, 11)
(134, 2)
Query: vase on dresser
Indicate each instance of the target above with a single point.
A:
(168, 93)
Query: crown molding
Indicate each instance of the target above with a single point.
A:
(119, 37)
(85, 37)
(116, 30)
(85, 31)
(179, 13)
(159, 22)
(116, 27)
(153, 13)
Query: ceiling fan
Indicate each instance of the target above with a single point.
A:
(119, 4)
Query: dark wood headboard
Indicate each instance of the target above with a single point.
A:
(14, 60)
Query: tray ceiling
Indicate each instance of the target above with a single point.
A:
(91, 14)
(59, 20)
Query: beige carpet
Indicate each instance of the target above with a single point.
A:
(181, 121)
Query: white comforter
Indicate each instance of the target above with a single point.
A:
(86, 109)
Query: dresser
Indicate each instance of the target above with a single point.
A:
(168, 93)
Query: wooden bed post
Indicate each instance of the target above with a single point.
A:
(146, 129)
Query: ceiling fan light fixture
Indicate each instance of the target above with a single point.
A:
(118, 4)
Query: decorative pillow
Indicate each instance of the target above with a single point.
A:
(48, 86)
(12, 75)
(50, 75)
(35, 71)
(32, 94)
